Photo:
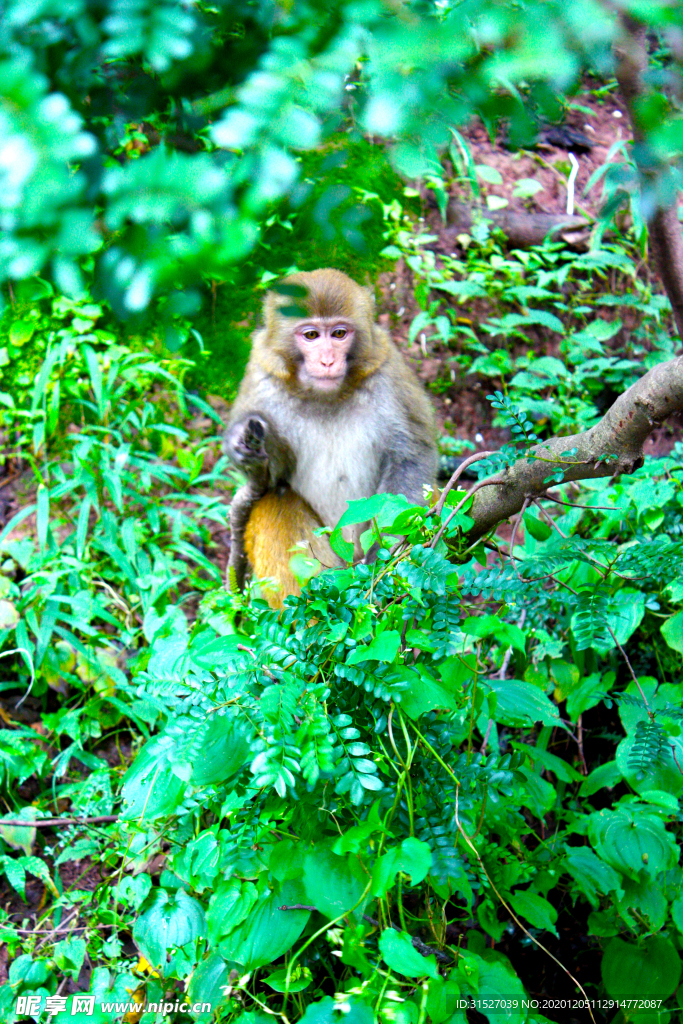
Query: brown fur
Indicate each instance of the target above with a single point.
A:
(331, 295)
(375, 433)
(277, 524)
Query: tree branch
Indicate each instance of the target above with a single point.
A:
(621, 432)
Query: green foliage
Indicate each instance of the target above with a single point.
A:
(338, 810)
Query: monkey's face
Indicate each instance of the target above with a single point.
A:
(323, 348)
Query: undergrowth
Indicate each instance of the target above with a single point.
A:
(375, 802)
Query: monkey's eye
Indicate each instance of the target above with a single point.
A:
(339, 332)
(311, 335)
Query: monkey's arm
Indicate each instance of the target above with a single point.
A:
(406, 468)
(253, 444)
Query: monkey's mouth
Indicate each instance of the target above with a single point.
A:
(319, 382)
(327, 383)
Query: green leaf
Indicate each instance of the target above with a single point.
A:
(397, 949)
(208, 983)
(491, 175)
(21, 331)
(526, 187)
(677, 913)
(643, 903)
(299, 981)
(412, 856)
(333, 884)
(267, 932)
(424, 693)
(225, 749)
(521, 703)
(496, 202)
(383, 647)
(650, 970)
(169, 920)
(384, 509)
(231, 902)
(327, 1011)
(663, 774)
(592, 876)
(672, 631)
(150, 786)
(538, 528)
(497, 980)
(69, 955)
(633, 840)
(606, 775)
(507, 634)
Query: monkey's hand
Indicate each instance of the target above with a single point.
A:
(245, 441)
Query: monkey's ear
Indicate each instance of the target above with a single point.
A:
(372, 305)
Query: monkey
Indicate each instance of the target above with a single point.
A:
(327, 412)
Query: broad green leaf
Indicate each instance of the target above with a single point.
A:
(333, 884)
(535, 909)
(650, 970)
(538, 528)
(520, 703)
(662, 774)
(327, 1011)
(592, 876)
(21, 331)
(442, 1000)
(287, 860)
(412, 856)
(230, 903)
(587, 693)
(208, 983)
(507, 634)
(383, 647)
(606, 775)
(491, 175)
(168, 920)
(267, 932)
(383, 508)
(397, 949)
(677, 913)
(300, 979)
(150, 786)
(225, 749)
(69, 955)
(497, 980)
(672, 631)
(643, 903)
(632, 841)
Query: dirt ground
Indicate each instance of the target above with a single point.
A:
(462, 409)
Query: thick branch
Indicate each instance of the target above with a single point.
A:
(664, 229)
(621, 432)
(520, 228)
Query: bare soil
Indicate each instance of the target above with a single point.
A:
(462, 409)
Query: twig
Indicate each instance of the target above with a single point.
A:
(98, 819)
(438, 508)
(574, 504)
(493, 481)
(511, 912)
(418, 944)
